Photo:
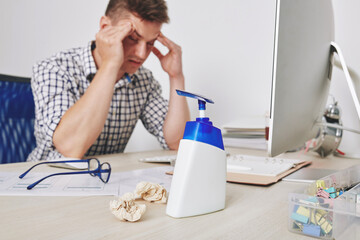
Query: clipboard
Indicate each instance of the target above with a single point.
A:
(262, 179)
(260, 170)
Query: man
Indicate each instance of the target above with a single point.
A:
(88, 100)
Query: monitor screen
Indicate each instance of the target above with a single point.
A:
(304, 30)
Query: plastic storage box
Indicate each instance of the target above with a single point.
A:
(328, 218)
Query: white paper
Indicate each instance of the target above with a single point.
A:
(252, 143)
(265, 166)
(81, 184)
(129, 180)
(255, 122)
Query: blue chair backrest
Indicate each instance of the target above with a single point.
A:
(17, 113)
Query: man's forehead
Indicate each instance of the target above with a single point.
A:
(143, 29)
(146, 30)
(139, 35)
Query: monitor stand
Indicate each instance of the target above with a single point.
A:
(354, 86)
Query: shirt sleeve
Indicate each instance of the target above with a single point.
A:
(53, 97)
(155, 111)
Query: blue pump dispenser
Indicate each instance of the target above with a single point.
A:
(199, 182)
(202, 130)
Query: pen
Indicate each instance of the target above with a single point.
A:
(128, 77)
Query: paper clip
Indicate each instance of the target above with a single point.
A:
(320, 184)
(322, 193)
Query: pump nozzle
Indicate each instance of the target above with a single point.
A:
(201, 100)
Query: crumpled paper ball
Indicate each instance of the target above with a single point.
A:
(126, 208)
(151, 192)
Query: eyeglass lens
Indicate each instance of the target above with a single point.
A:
(105, 172)
(93, 165)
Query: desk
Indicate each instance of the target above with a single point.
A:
(252, 212)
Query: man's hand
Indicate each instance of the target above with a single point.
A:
(171, 62)
(178, 111)
(109, 43)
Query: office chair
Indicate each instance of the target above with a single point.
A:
(17, 114)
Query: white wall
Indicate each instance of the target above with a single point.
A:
(227, 50)
(347, 35)
(33, 30)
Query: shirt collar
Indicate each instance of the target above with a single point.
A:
(124, 80)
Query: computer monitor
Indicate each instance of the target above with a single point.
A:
(304, 31)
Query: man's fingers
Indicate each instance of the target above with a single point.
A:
(167, 42)
(164, 41)
(124, 30)
(157, 53)
(117, 33)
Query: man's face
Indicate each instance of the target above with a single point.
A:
(138, 45)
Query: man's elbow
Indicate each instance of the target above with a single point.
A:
(174, 145)
(68, 148)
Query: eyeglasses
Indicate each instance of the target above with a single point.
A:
(102, 171)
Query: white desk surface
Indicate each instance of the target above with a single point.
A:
(252, 212)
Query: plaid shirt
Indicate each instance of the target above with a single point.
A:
(58, 82)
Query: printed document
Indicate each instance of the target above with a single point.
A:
(82, 184)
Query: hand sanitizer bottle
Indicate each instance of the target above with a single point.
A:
(199, 181)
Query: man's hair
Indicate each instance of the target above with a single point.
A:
(148, 10)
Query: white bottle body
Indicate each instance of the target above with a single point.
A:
(199, 181)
